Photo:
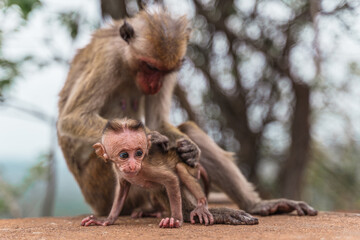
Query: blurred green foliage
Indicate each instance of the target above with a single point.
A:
(71, 21)
(25, 6)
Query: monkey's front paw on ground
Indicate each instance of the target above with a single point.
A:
(91, 220)
(170, 223)
(232, 217)
(201, 214)
(278, 206)
(188, 151)
(161, 140)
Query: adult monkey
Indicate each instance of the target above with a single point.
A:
(130, 70)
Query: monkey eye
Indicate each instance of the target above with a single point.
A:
(139, 153)
(124, 155)
(151, 67)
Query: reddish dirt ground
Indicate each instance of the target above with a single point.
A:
(327, 225)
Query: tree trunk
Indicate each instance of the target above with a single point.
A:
(292, 172)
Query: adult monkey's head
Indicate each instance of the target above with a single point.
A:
(157, 45)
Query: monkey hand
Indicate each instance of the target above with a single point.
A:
(188, 151)
(277, 206)
(158, 139)
(201, 214)
(170, 223)
(91, 220)
(232, 217)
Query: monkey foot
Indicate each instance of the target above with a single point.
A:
(278, 206)
(138, 213)
(232, 217)
(170, 223)
(91, 220)
(201, 214)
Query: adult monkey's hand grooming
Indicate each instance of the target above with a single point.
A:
(130, 70)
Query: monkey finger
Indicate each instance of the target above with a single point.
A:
(206, 219)
(85, 220)
(189, 155)
(211, 218)
(172, 220)
(186, 148)
(192, 162)
(106, 223)
(298, 209)
(307, 209)
(161, 222)
(88, 223)
(177, 223)
(200, 218)
(192, 215)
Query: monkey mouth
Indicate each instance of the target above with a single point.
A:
(131, 174)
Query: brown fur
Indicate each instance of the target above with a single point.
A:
(101, 77)
(101, 85)
(159, 170)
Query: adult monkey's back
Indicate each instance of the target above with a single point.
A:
(129, 69)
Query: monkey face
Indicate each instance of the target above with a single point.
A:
(149, 79)
(126, 150)
(151, 74)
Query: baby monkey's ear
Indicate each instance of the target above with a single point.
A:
(100, 151)
(149, 143)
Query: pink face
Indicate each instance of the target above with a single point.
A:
(126, 150)
(151, 73)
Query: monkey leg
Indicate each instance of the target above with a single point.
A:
(221, 168)
(226, 175)
(191, 182)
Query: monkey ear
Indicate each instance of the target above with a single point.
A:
(100, 151)
(127, 32)
(149, 143)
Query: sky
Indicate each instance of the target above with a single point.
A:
(23, 137)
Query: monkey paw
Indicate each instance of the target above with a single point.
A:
(170, 223)
(161, 140)
(277, 206)
(202, 215)
(188, 151)
(91, 220)
(232, 217)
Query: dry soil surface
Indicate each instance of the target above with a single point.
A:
(327, 225)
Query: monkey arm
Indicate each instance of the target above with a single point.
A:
(121, 192)
(80, 116)
(172, 186)
(157, 110)
(171, 182)
(85, 126)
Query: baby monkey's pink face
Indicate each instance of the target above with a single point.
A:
(126, 150)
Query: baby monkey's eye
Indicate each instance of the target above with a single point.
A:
(139, 153)
(124, 155)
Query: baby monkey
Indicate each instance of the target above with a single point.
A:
(125, 143)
